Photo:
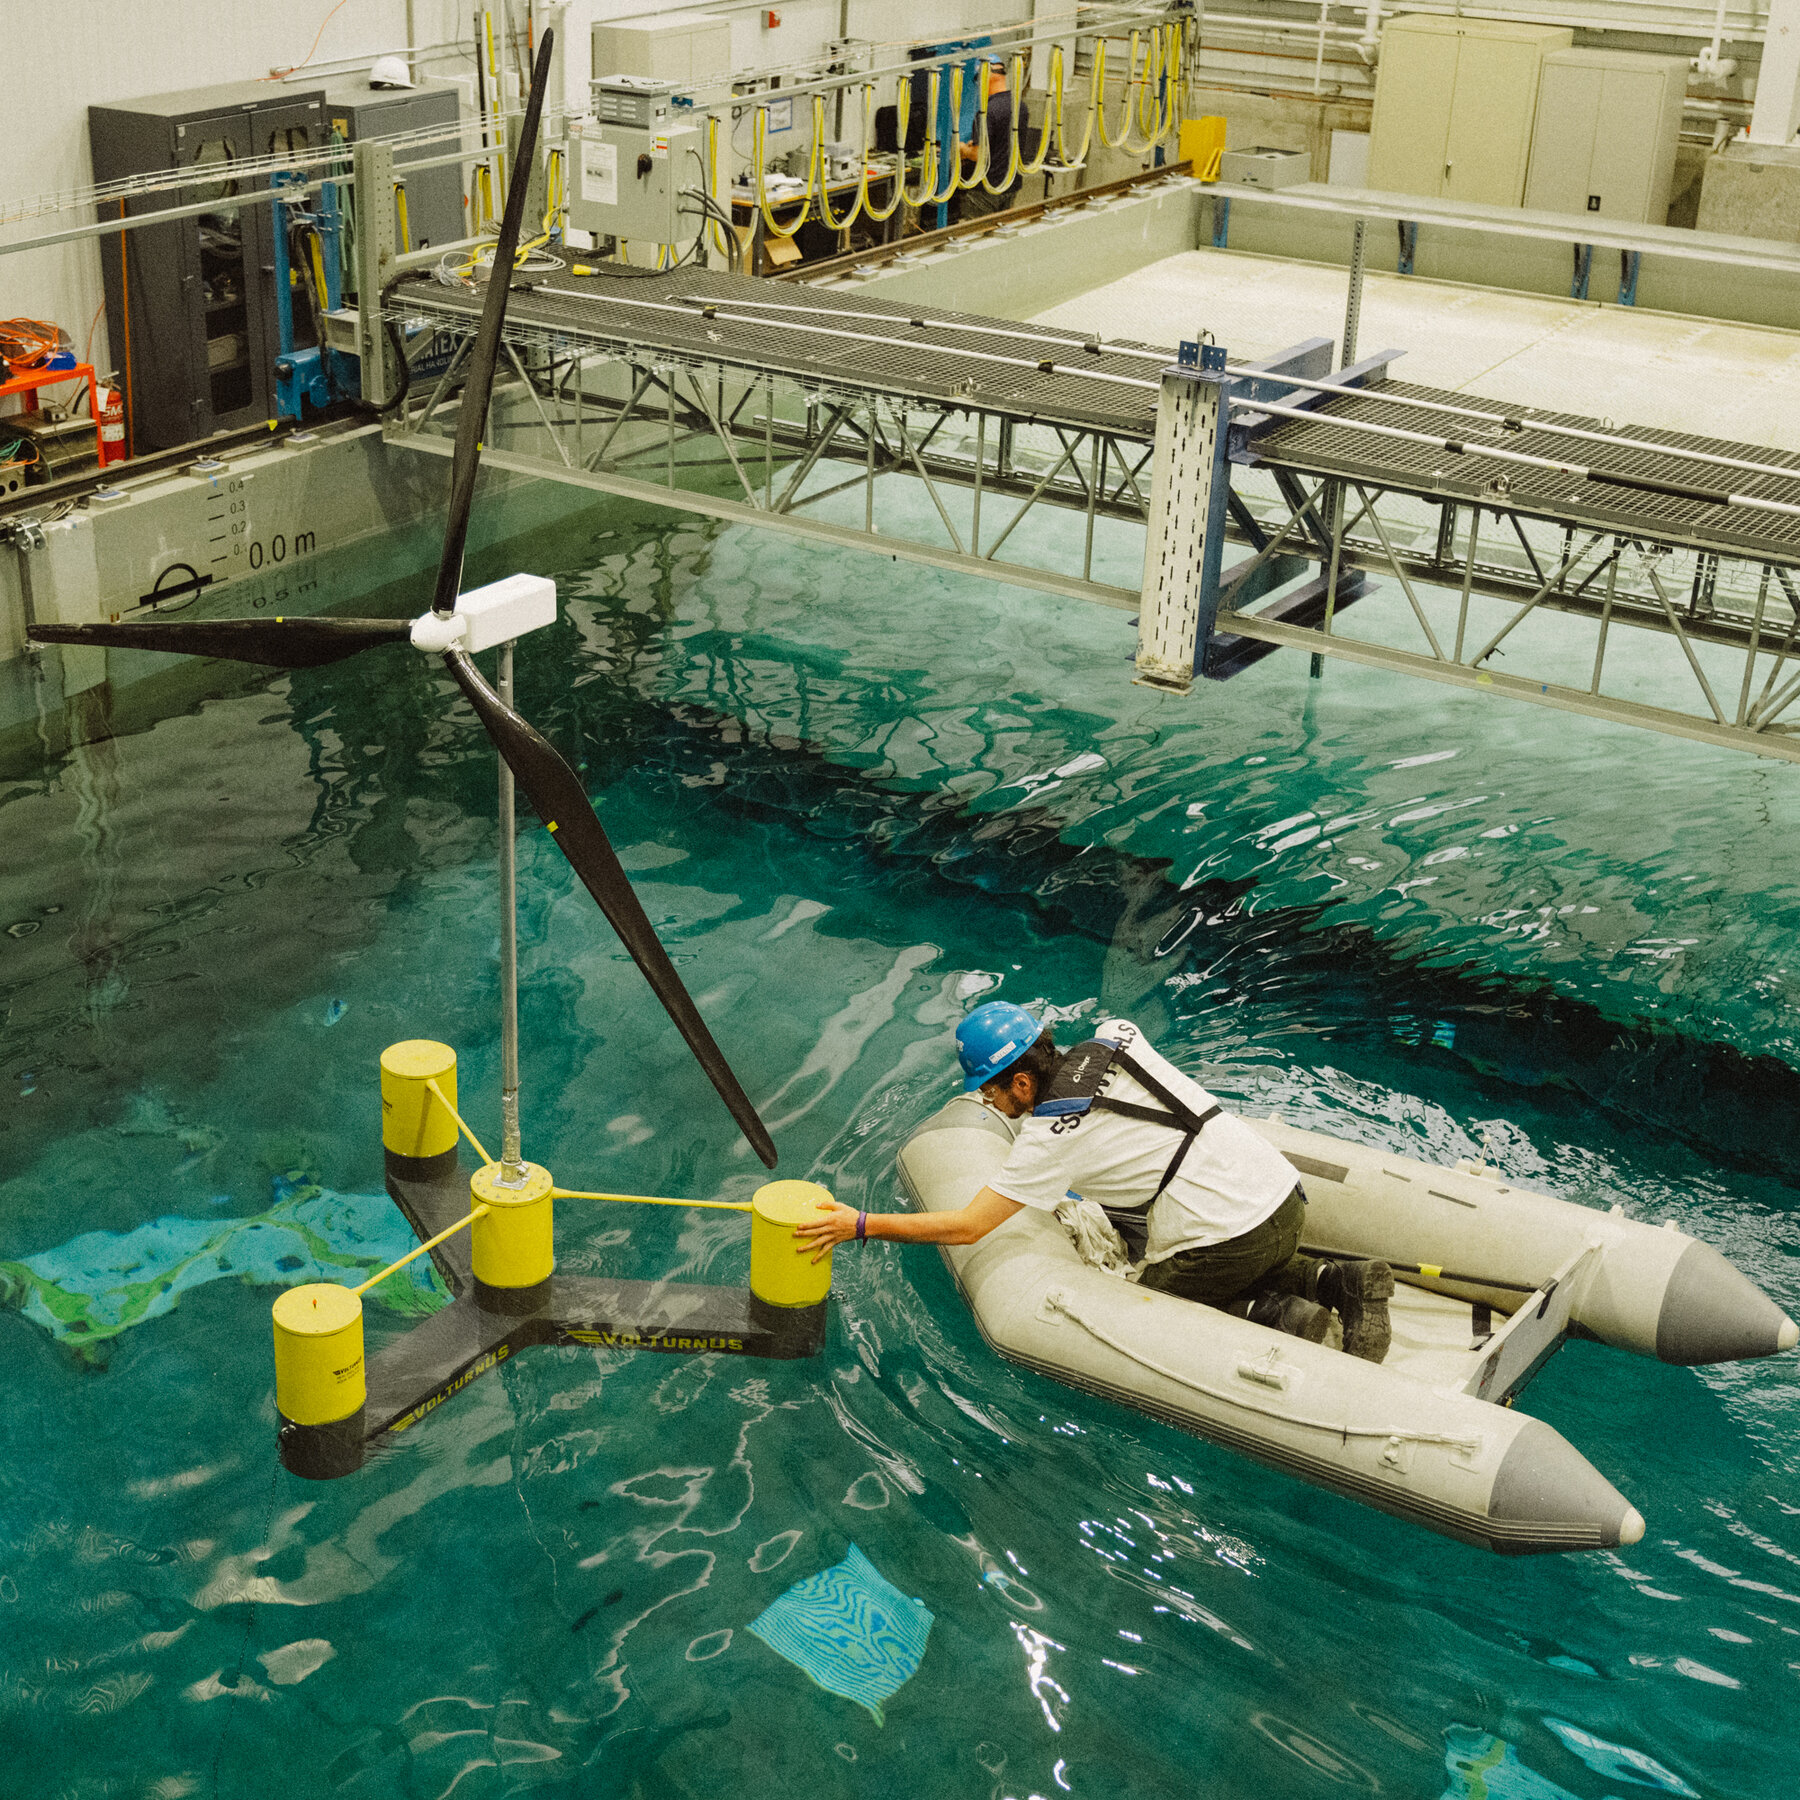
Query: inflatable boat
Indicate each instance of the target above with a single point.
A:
(1492, 1278)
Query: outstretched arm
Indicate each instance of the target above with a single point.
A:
(837, 1224)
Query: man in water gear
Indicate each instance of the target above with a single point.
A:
(1216, 1209)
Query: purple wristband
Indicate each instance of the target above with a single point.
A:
(862, 1227)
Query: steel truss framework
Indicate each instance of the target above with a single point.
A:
(746, 444)
(1491, 591)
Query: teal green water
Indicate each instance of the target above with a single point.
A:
(856, 796)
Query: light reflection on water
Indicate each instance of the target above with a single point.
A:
(547, 1585)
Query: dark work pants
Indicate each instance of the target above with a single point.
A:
(1218, 1273)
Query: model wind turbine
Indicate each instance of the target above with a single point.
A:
(507, 1294)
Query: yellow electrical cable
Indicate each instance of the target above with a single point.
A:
(1122, 141)
(1165, 93)
(742, 234)
(462, 1124)
(760, 140)
(557, 1193)
(1147, 91)
(1172, 89)
(402, 218)
(1014, 168)
(487, 21)
(553, 204)
(1045, 137)
(978, 172)
(553, 193)
(862, 186)
(429, 1244)
(902, 112)
(1087, 134)
(928, 157)
(318, 268)
(954, 181)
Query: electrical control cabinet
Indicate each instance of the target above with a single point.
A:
(190, 304)
(1604, 143)
(631, 160)
(626, 181)
(433, 197)
(1455, 104)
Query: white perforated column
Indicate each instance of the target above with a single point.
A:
(1187, 507)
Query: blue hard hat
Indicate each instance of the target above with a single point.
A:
(992, 1038)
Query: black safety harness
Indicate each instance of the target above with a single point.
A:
(1074, 1091)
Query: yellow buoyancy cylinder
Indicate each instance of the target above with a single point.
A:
(318, 1353)
(514, 1244)
(779, 1274)
(413, 1120)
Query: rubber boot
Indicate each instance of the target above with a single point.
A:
(1284, 1312)
(1359, 1292)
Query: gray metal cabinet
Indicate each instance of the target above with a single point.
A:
(1455, 100)
(1604, 142)
(190, 304)
(434, 197)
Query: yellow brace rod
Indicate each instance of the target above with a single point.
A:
(650, 1200)
(429, 1244)
(462, 1125)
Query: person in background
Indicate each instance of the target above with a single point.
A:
(1219, 1209)
(1000, 124)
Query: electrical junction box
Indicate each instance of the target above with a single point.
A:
(626, 180)
(1264, 168)
(632, 100)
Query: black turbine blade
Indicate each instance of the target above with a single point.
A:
(478, 389)
(285, 643)
(562, 803)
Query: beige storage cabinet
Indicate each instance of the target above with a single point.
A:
(1607, 124)
(691, 49)
(1455, 102)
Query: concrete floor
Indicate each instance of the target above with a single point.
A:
(1740, 382)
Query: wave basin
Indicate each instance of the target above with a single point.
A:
(855, 800)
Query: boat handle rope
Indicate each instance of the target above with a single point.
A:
(1058, 1301)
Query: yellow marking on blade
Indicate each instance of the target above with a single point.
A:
(551, 826)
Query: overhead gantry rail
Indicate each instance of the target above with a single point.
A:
(1643, 575)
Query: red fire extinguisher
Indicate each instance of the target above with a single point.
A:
(112, 425)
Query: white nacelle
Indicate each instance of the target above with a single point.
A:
(490, 615)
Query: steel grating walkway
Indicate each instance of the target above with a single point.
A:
(925, 353)
(787, 408)
(1684, 502)
(851, 342)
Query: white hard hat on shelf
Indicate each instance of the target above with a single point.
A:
(391, 72)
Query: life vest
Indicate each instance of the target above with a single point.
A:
(1074, 1091)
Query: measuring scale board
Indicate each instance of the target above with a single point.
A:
(250, 533)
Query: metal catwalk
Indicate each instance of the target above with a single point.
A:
(788, 407)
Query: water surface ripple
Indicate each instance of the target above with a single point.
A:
(854, 800)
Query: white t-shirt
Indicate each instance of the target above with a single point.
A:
(1230, 1181)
